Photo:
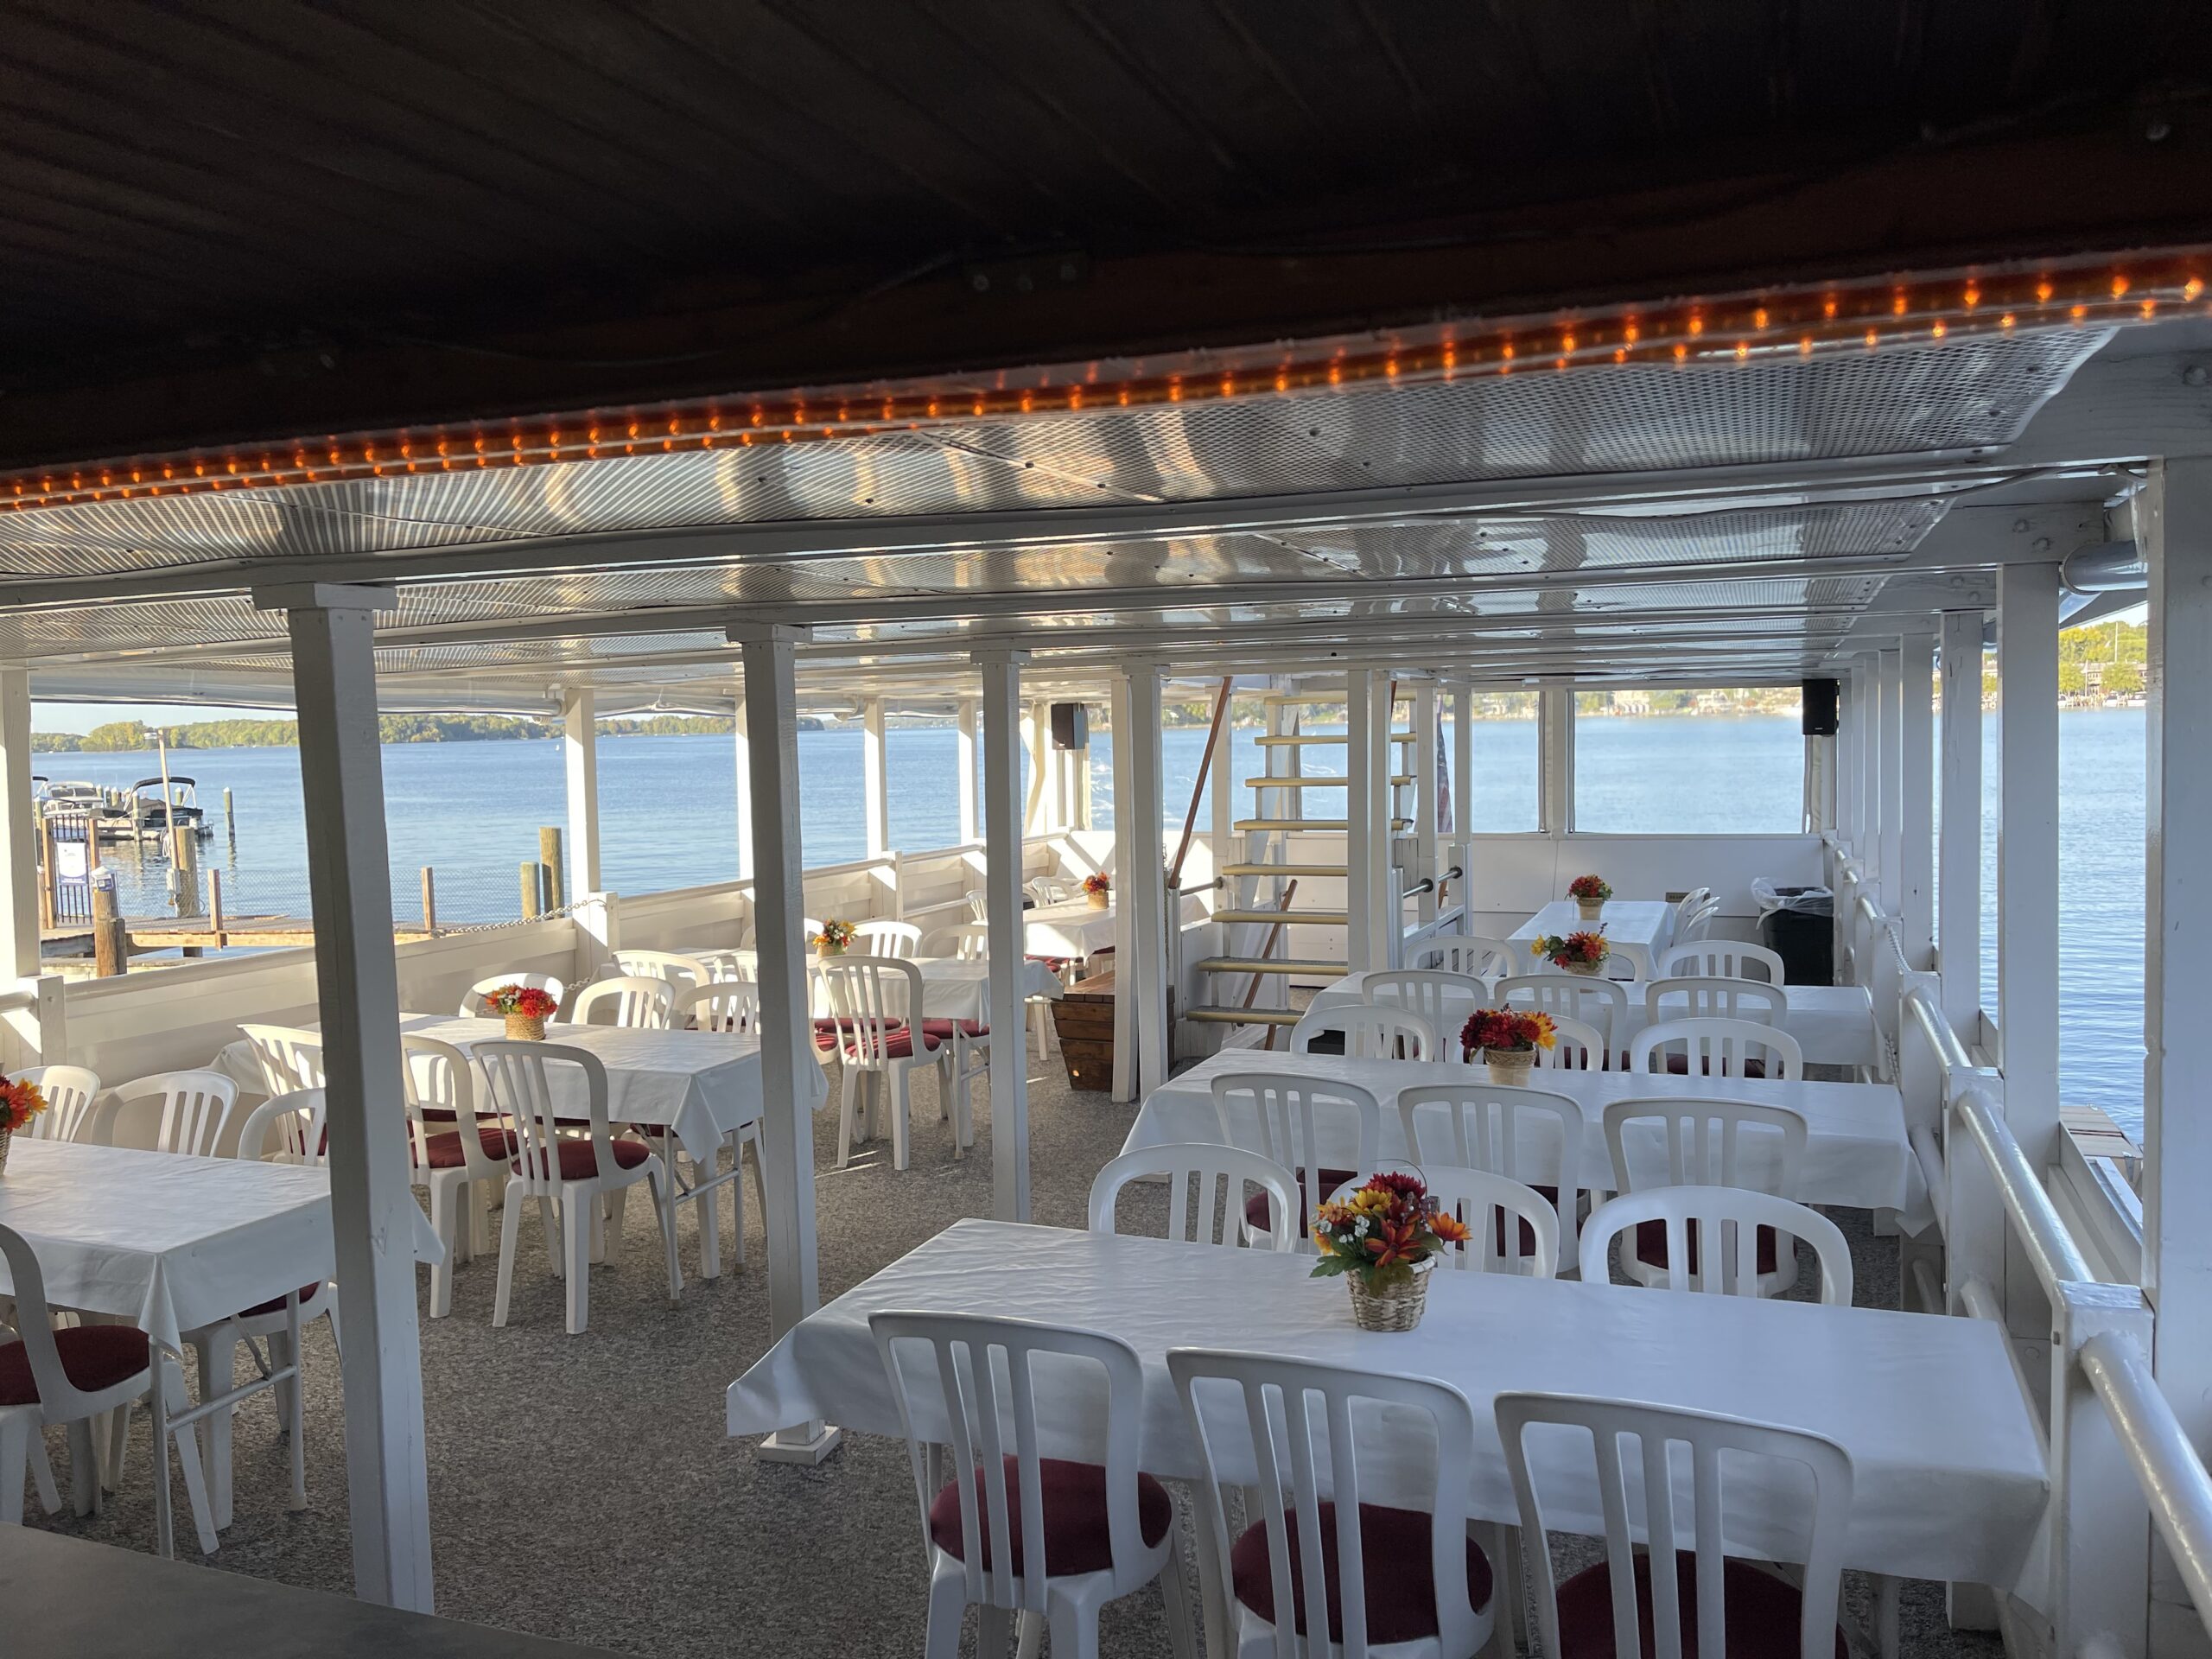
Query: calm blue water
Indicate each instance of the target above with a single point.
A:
(471, 810)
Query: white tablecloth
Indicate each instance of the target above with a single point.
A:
(166, 1242)
(1949, 1482)
(1856, 1153)
(951, 988)
(1071, 928)
(1834, 1024)
(1638, 929)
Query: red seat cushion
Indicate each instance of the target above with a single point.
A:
(941, 1031)
(1261, 1213)
(1651, 1246)
(1076, 1535)
(580, 1163)
(93, 1357)
(444, 1151)
(898, 1041)
(1761, 1612)
(1680, 1066)
(1394, 1558)
(275, 1304)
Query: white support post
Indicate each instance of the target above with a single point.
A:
(1850, 733)
(1463, 796)
(1870, 766)
(744, 754)
(1891, 691)
(1222, 811)
(1555, 770)
(580, 754)
(1428, 863)
(1080, 785)
(1917, 765)
(1959, 926)
(1141, 977)
(19, 825)
(373, 1215)
(1002, 880)
(963, 766)
(2174, 524)
(875, 781)
(1035, 735)
(788, 1070)
(1362, 926)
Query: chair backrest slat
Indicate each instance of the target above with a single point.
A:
(1714, 996)
(297, 1117)
(194, 1107)
(1713, 1239)
(70, 1092)
(1370, 1032)
(1768, 1160)
(645, 1002)
(884, 937)
(1531, 1135)
(730, 1005)
(1221, 1175)
(1723, 959)
(1443, 999)
(1718, 1048)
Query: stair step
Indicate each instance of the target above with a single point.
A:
(1243, 1016)
(1338, 826)
(1312, 780)
(1271, 965)
(1309, 917)
(1338, 739)
(1286, 870)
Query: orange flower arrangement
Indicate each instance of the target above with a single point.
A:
(1096, 882)
(20, 1102)
(1588, 946)
(1590, 889)
(1382, 1231)
(1512, 1030)
(527, 1000)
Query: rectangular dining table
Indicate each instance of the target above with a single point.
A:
(1070, 928)
(1856, 1153)
(1638, 930)
(1949, 1474)
(1832, 1024)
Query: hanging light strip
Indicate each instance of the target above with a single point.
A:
(1858, 316)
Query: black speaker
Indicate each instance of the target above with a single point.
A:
(1071, 726)
(1822, 708)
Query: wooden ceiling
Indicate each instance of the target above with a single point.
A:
(227, 219)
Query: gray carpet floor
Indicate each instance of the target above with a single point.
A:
(581, 1487)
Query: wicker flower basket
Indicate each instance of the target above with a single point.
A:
(6, 1135)
(1098, 901)
(1588, 969)
(824, 950)
(525, 1028)
(1510, 1066)
(1396, 1306)
(1592, 909)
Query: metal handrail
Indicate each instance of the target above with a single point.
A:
(2166, 1466)
(2057, 1259)
(1948, 1049)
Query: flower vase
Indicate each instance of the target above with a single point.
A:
(6, 1135)
(1396, 1305)
(1587, 970)
(1097, 900)
(824, 950)
(1510, 1066)
(1592, 909)
(525, 1028)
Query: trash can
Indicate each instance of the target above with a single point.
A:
(1798, 925)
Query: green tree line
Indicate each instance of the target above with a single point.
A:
(131, 736)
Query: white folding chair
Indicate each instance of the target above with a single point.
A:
(679, 968)
(291, 1057)
(1722, 959)
(1741, 1229)
(536, 1086)
(877, 1046)
(72, 1376)
(1600, 1003)
(1443, 999)
(472, 1003)
(194, 1108)
(1717, 1048)
(1533, 1137)
(1737, 1607)
(1575, 1047)
(1705, 1143)
(1282, 1116)
(1370, 1032)
(883, 937)
(1012, 1531)
(1224, 1177)
(1469, 954)
(645, 1002)
(1309, 1446)
(1481, 1202)
(454, 1152)
(70, 1092)
(1713, 997)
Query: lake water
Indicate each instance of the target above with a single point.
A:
(471, 811)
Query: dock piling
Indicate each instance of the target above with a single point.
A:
(548, 854)
(429, 902)
(533, 897)
(111, 945)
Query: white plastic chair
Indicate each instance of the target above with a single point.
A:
(1707, 1143)
(1370, 1032)
(1049, 889)
(473, 1007)
(571, 1173)
(963, 942)
(1481, 1202)
(1469, 954)
(70, 1092)
(1695, 1217)
(1224, 1175)
(1697, 920)
(985, 1374)
(291, 1057)
(120, 1368)
(729, 1006)
(642, 1001)
(1718, 1048)
(1713, 997)
(1533, 1137)
(1306, 1431)
(1290, 1111)
(454, 1152)
(1722, 959)
(679, 968)
(883, 937)
(297, 1118)
(1707, 1576)
(1443, 999)
(877, 1046)
(194, 1106)
(1602, 1004)
(1575, 1047)
(733, 1008)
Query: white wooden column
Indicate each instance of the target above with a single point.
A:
(875, 781)
(744, 755)
(1221, 814)
(1849, 770)
(1870, 766)
(2174, 522)
(1959, 926)
(1127, 852)
(963, 768)
(1891, 672)
(1036, 744)
(1002, 874)
(1364, 900)
(1425, 793)
(1079, 762)
(2027, 855)
(1140, 976)
(580, 756)
(1463, 795)
(372, 1211)
(789, 1074)
(1556, 768)
(1916, 799)
(19, 827)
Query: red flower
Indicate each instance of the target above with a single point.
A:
(1399, 1184)
(1393, 1241)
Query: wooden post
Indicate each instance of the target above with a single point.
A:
(184, 845)
(533, 889)
(110, 948)
(1002, 873)
(215, 904)
(429, 902)
(230, 819)
(548, 854)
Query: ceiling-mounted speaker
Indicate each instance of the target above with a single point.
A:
(1071, 726)
(1823, 703)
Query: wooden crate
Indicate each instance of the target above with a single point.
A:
(1083, 1019)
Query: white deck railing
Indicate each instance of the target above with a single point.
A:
(2119, 1458)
